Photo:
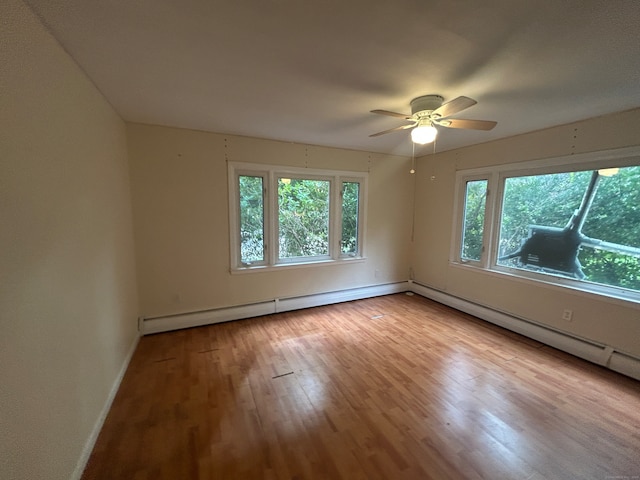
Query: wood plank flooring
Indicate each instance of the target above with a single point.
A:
(395, 387)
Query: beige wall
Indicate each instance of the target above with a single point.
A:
(611, 322)
(68, 301)
(181, 218)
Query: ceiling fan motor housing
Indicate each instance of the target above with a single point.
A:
(426, 104)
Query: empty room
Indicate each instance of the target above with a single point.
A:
(319, 240)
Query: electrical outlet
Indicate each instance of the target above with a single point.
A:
(567, 315)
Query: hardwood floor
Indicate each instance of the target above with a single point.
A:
(394, 387)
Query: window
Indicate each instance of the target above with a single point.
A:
(251, 189)
(303, 218)
(475, 200)
(350, 196)
(283, 216)
(576, 223)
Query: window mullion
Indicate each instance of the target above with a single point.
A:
(335, 218)
(491, 221)
(272, 193)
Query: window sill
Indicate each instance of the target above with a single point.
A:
(613, 295)
(294, 265)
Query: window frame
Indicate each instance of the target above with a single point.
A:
(496, 176)
(270, 175)
(278, 174)
(360, 215)
(462, 180)
(265, 209)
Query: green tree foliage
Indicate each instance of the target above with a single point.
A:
(350, 204)
(303, 217)
(550, 200)
(547, 200)
(474, 211)
(614, 217)
(251, 219)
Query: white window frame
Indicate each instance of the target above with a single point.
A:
(496, 176)
(234, 203)
(361, 213)
(275, 208)
(462, 178)
(270, 175)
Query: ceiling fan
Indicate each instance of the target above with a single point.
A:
(428, 111)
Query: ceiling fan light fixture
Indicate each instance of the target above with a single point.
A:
(424, 134)
(428, 111)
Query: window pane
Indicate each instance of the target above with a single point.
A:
(473, 227)
(303, 217)
(251, 219)
(350, 204)
(614, 218)
(576, 224)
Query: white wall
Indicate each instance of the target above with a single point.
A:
(181, 219)
(609, 322)
(68, 301)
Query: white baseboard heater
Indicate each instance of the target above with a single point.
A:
(603, 355)
(167, 323)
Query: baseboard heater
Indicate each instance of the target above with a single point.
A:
(603, 355)
(150, 325)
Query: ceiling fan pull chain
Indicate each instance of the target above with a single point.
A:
(413, 158)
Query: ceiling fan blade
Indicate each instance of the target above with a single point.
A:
(454, 106)
(392, 114)
(470, 124)
(402, 127)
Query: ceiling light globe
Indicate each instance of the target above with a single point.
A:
(424, 134)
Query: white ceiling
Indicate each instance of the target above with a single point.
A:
(310, 71)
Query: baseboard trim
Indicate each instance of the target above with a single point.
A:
(167, 323)
(97, 427)
(317, 300)
(600, 354)
(205, 317)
